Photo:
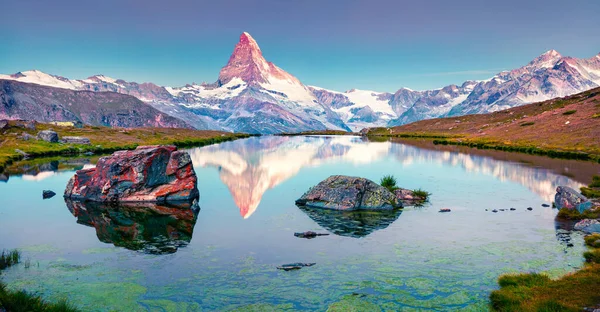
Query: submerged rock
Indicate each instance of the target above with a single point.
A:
(48, 136)
(408, 197)
(47, 194)
(569, 198)
(445, 210)
(309, 234)
(153, 228)
(545, 205)
(294, 266)
(529, 208)
(146, 174)
(349, 193)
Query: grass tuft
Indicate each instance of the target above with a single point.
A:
(389, 182)
(9, 258)
(592, 256)
(573, 214)
(421, 193)
(529, 123)
(570, 112)
(593, 240)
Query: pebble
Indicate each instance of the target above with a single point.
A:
(494, 210)
(513, 209)
(545, 205)
(529, 208)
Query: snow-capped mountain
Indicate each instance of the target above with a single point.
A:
(255, 96)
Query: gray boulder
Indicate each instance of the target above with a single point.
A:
(75, 140)
(48, 136)
(349, 193)
(3, 124)
(26, 136)
(569, 198)
(588, 225)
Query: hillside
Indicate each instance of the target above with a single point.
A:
(19, 100)
(565, 124)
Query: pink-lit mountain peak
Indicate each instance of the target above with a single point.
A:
(547, 59)
(247, 63)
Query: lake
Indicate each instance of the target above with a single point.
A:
(224, 256)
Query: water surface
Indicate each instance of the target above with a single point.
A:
(224, 256)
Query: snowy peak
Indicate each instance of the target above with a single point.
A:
(546, 60)
(41, 78)
(248, 64)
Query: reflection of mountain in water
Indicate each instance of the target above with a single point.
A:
(251, 166)
(147, 227)
(358, 223)
(38, 169)
(540, 181)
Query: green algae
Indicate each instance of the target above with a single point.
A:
(353, 304)
(163, 305)
(43, 248)
(100, 250)
(262, 307)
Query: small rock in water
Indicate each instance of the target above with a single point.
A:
(486, 210)
(494, 210)
(445, 210)
(545, 205)
(47, 194)
(529, 208)
(309, 234)
(513, 209)
(294, 266)
(502, 209)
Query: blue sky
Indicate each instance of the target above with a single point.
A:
(377, 45)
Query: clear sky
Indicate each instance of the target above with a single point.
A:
(376, 44)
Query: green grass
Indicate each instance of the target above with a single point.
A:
(596, 115)
(536, 292)
(529, 123)
(573, 214)
(22, 301)
(589, 192)
(389, 182)
(570, 112)
(595, 181)
(422, 194)
(9, 258)
(593, 240)
(592, 256)
(103, 140)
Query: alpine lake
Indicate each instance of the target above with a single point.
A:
(224, 256)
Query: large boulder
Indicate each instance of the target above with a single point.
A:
(146, 174)
(569, 198)
(48, 136)
(349, 193)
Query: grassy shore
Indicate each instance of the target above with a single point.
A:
(103, 140)
(22, 301)
(566, 127)
(536, 292)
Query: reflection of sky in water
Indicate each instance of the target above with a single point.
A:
(419, 259)
(250, 167)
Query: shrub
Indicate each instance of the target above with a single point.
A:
(595, 181)
(9, 258)
(421, 193)
(596, 115)
(592, 256)
(570, 112)
(389, 182)
(590, 193)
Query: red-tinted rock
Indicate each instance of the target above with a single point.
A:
(146, 174)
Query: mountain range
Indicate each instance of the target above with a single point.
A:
(253, 95)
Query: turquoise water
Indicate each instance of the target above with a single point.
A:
(224, 257)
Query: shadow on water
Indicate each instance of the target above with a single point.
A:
(147, 227)
(357, 224)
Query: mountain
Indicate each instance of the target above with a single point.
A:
(19, 100)
(255, 96)
(548, 76)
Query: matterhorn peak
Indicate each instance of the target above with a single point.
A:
(248, 64)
